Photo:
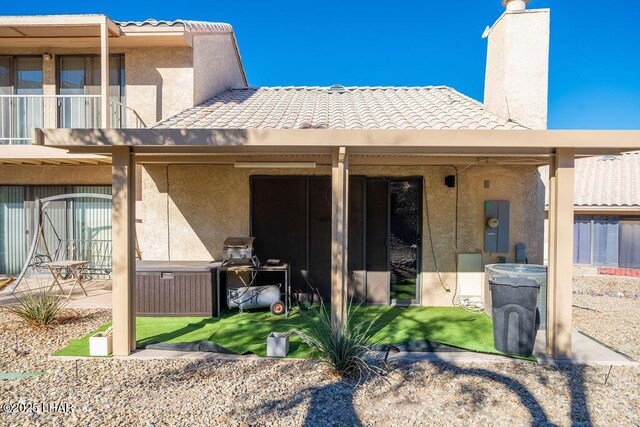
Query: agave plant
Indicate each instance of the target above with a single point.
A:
(39, 309)
(345, 349)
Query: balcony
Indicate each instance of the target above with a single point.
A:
(19, 114)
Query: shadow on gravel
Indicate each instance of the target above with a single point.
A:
(576, 380)
(330, 404)
(334, 403)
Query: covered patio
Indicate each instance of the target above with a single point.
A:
(339, 152)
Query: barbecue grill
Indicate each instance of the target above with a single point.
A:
(239, 251)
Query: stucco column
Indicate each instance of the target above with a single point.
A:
(104, 74)
(560, 286)
(50, 102)
(551, 246)
(339, 234)
(123, 297)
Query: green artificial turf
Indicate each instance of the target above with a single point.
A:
(404, 290)
(247, 333)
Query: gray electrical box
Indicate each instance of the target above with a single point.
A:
(496, 226)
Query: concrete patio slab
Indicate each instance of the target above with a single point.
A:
(586, 351)
(99, 295)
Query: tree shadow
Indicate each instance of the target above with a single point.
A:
(576, 381)
(328, 402)
(334, 402)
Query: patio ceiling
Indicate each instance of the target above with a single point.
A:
(39, 155)
(83, 31)
(55, 26)
(44, 31)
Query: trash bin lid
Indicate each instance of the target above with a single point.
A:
(529, 270)
(515, 282)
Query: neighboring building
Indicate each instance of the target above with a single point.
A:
(50, 77)
(607, 211)
(393, 195)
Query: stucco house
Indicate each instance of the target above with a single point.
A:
(380, 193)
(607, 212)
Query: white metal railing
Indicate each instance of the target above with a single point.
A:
(19, 114)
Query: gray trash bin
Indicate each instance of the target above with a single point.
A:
(514, 314)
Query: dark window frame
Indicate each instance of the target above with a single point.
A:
(87, 69)
(14, 69)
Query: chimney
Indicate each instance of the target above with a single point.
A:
(517, 78)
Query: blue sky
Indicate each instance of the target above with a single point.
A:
(595, 49)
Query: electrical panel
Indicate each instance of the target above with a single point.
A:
(496, 226)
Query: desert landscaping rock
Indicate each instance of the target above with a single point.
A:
(607, 308)
(268, 392)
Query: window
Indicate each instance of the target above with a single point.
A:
(582, 239)
(20, 75)
(630, 242)
(605, 240)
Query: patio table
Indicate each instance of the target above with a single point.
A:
(74, 268)
(282, 268)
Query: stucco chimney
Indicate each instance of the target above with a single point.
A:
(513, 5)
(517, 77)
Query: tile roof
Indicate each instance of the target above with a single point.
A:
(432, 107)
(605, 181)
(189, 26)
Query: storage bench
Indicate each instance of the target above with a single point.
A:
(176, 288)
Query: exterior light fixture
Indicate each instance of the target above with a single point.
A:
(47, 57)
(275, 165)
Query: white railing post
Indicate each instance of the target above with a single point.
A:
(19, 114)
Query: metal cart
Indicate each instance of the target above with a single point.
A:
(253, 270)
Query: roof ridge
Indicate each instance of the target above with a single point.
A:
(302, 87)
(187, 24)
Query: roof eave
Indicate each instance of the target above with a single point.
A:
(357, 141)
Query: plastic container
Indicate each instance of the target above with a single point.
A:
(515, 290)
(101, 344)
(527, 271)
(277, 345)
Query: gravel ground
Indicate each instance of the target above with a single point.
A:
(274, 392)
(608, 309)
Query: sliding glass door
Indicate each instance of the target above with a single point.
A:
(79, 81)
(404, 239)
(20, 110)
(291, 221)
(86, 220)
(394, 224)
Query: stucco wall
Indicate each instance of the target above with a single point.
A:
(159, 81)
(188, 211)
(215, 66)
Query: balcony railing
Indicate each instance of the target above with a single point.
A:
(19, 114)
